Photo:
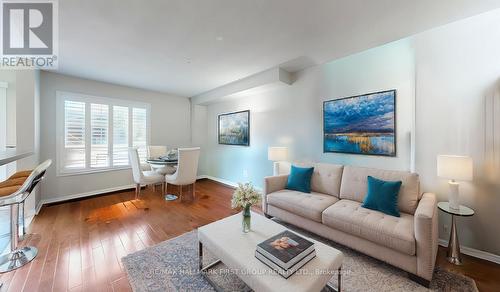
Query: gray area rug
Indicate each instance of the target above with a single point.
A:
(173, 266)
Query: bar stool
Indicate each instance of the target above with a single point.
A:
(13, 196)
(21, 175)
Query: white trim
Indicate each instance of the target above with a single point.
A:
(93, 170)
(223, 181)
(66, 95)
(38, 207)
(4, 84)
(82, 195)
(220, 180)
(474, 252)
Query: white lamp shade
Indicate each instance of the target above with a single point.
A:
(277, 153)
(454, 167)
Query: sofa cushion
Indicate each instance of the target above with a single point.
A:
(306, 205)
(355, 185)
(326, 178)
(389, 231)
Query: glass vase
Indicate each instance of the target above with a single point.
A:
(246, 220)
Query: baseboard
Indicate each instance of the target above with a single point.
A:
(223, 181)
(38, 207)
(220, 180)
(474, 252)
(81, 195)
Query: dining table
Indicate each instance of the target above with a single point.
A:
(164, 166)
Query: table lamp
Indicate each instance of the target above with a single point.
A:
(454, 167)
(277, 154)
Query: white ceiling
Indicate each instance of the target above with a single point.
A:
(186, 47)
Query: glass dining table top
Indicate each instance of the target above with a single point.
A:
(162, 161)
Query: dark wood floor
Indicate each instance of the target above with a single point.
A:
(81, 242)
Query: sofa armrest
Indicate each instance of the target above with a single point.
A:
(273, 184)
(426, 235)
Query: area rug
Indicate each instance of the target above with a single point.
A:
(173, 266)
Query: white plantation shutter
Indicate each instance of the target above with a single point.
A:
(95, 133)
(139, 131)
(99, 125)
(120, 135)
(74, 134)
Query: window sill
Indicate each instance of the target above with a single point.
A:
(91, 171)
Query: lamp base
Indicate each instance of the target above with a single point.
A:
(276, 168)
(453, 196)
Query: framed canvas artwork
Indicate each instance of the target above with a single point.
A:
(362, 124)
(234, 128)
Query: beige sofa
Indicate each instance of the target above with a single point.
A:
(333, 210)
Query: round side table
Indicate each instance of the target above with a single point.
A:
(453, 253)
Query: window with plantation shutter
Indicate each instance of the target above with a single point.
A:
(96, 132)
(74, 134)
(139, 132)
(99, 125)
(120, 135)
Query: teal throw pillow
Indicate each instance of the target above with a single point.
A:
(300, 179)
(382, 196)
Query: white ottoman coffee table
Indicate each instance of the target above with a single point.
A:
(236, 250)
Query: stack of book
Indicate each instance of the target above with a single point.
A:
(285, 252)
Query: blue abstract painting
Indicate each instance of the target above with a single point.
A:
(363, 124)
(234, 128)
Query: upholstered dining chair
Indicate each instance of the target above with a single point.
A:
(187, 169)
(154, 152)
(141, 177)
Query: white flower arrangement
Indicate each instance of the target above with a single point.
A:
(244, 196)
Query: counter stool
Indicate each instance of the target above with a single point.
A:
(22, 173)
(12, 185)
(13, 196)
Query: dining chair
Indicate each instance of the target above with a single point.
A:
(187, 169)
(154, 152)
(141, 177)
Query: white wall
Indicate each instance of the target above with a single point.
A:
(199, 134)
(28, 126)
(170, 125)
(9, 76)
(457, 67)
(292, 115)
(447, 70)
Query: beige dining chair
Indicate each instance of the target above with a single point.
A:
(187, 169)
(141, 177)
(154, 152)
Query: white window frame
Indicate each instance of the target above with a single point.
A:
(62, 96)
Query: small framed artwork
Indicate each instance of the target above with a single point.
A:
(363, 124)
(234, 128)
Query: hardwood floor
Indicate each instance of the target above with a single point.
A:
(81, 242)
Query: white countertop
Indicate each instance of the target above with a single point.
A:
(13, 154)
